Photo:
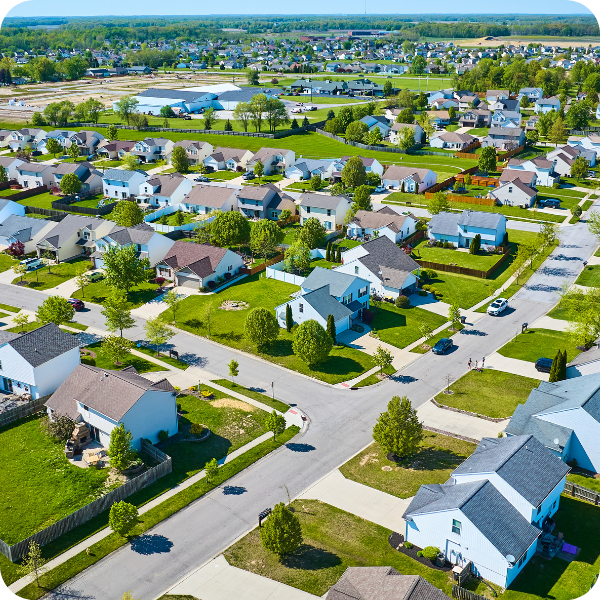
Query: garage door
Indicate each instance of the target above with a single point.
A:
(188, 282)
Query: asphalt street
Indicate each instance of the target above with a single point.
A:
(341, 423)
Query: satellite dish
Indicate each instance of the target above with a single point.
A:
(556, 441)
(510, 558)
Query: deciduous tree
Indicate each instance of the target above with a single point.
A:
(311, 343)
(265, 236)
(127, 213)
(116, 348)
(125, 107)
(33, 563)
(275, 423)
(439, 203)
(53, 146)
(122, 517)
(158, 332)
(261, 327)
(179, 159)
(120, 451)
(70, 184)
(123, 268)
(383, 358)
(354, 173)
(312, 233)
(487, 159)
(398, 430)
(54, 309)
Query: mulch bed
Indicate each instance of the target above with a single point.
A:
(396, 539)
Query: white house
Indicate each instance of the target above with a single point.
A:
(148, 243)
(263, 201)
(104, 399)
(164, 190)
(563, 157)
(388, 268)
(492, 510)
(545, 105)
(274, 160)
(121, 184)
(195, 150)
(153, 149)
(90, 177)
(590, 142)
(541, 166)
(398, 127)
(385, 221)
(532, 94)
(494, 95)
(230, 159)
(32, 175)
(504, 138)
(452, 140)
(11, 165)
(27, 230)
(198, 266)
(328, 292)
(329, 210)
(461, 228)
(514, 193)
(18, 139)
(377, 122)
(36, 362)
(506, 118)
(203, 199)
(9, 208)
(305, 168)
(411, 178)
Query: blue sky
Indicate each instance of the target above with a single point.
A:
(238, 7)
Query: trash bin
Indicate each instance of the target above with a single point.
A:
(463, 320)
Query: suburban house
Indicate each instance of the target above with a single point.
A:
(32, 175)
(27, 230)
(412, 179)
(9, 208)
(104, 399)
(511, 105)
(90, 177)
(115, 150)
(11, 164)
(230, 159)
(203, 199)
(590, 142)
(504, 138)
(451, 140)
(563, 158)
(386, 266)
(36, 362)
(73, 236)
(148, 243)
(541, 166)
(379, 583)
(506, 118)
(531, 122)
(63, 137)
(164, 190)
(88, 142)
(274, 160)
(197, 266)
(492, 510)
(532, 94)
(439, 118)
(475, 117)
(305, 168)
(545, 105)
(263, 202)
(328, 292)
(21, 138)
(442, 103)
(493, 95)
(565, 417)
(196, 151)
(152, 149)
(468, 101)
(398, 127)
(121, 184)
(385, 221)
(371, 165)
(461, 228)
(529, 178)
(514, 193)
(329, 210)
(377, 122)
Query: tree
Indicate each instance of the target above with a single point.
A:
(583, 314)
(130, 161)
(127, 213)
(53, 146)
(211, 469)
(173, 300)
(230, 229)
(120, 451)
(167, 112)
(561, 372)
(261, 327)
(275, 113)
(487, 159)
(345, 117)
(312, 233)
(117, 313)
(60, 427)
(228, 126)
(242, 113)
(362, 198)
(532, 136)
(452, 112)
(93, 109)
(289, 319)
(398, 430)
(374, 137)
(579, 115)
(122, 517)
(233, 368)
(275, 423)
(454, 315)
(139, 121)
(315, 182)
(265, 236)
(33, 563)
(405, 116)
(593, 223)
(116, 348)
(157, 332)
(125, 107)
(179, 159)
(383, 358)
(37, 120)
(258, 106)
(21, 320)
(355, 131)
(209, 118)
(112, 133)
(475, 245)
(388, 88)
(418, 65)
(311, 343)
(549, 234)
(123, 268)
(285, 215)
(334, 126)
(555, 366)
(297, 257)
(54, 309)
(73, 152)
(425, 120)
(439, 203)
(70, 183)
(259, 169)
(252, 77)
(558, 133)
(281, 532)
(331, 328)
(81, 278)
(294, 124)
(354, 173)
(406, 138)
(579, 168)
(16, 249)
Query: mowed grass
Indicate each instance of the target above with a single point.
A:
(254, 394)
(333, 541)
(436, 458)
(103, 361)
(45, 201)
(7, 262)
(539, 343)
(52, 275)
(401, 326)
(227, 327)
(590, 276)
(482, 261)
(98, 291)
(491, 393)
(39, 485)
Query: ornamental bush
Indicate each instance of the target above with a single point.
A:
(196, 429)
(402, 302)
(430, 552)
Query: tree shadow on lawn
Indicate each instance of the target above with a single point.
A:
(430, 458)
(310, 558)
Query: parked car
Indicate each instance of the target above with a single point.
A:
(497, 306)
(591, 173)
(249, 175)
(379, 189)
(442, 345)
(32, 263)
(202, 178)
(299, 103)
(543, 365)
(76, 303)
(186, 117)
(549, 203)
(97, 276)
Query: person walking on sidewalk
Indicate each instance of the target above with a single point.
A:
(483, 362)
(476, 368)
(469, 364)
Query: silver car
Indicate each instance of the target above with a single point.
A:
(497, 306)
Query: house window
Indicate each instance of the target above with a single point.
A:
(522, 560)
(308, 209)
(229, 268)
(362, 292)
(356, 270)
(328, 212)
(85, 407)
(510, 190)
(347, 299)
(301, 307)
(456, 526)
(0, 365)
(553, 505)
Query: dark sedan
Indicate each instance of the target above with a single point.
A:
(442, 345)
(543, 365)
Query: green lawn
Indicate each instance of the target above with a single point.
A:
(41, 279)
(291, 231)
(373, 379)
(559, 312)
(584, 480)
(446, 333)
(482, 261)
(478, 131)
(39, 485)
(559, 192)
(478, 392)
(539, 343)
(259, 396)
(102, 361)
(333, 541)
(401, 326)
(227, 327)
(178, 364)
(7, 262)
(462, 289)
(8, 192)
(172, 219)
(437, 457)
(590, 276)
(587, 205)
(452, 127)
(45, 201)
(10, 308)
(98, 292)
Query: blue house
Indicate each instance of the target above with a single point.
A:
(460, 229)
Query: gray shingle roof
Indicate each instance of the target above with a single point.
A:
(338, 282)
(485, 220)
(68, 226)
(444, 223)
(138, 234)
(122, 174)
(43, 344)
(321, 200)
(325, 304)
(22, 228)
(209, 195)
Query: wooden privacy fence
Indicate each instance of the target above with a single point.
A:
(25, 193)
(509, 153)
(465, 199)
(450, 181)
(17, 551)
(464, 270)
(480, 180)
(582, 493)
(84, 210)
(461, 593)
(20, 412)
(55, 215)
(392, 149)
(467, 151)
(259, 268)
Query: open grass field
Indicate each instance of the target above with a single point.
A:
(45, 278)
(539, 343)
(98, 291)
(482, 261)
(590, 276)
(477, 392)
(436, 458)
(227, 327)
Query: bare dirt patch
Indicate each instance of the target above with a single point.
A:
(234, 305)
(232, 403)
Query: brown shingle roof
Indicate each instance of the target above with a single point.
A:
(209, 195)
(201, 259)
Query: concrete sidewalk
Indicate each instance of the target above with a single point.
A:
(360, 500)
(513, 365)
(547, 322)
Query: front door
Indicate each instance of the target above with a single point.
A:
(94, 433)
(7, 384)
